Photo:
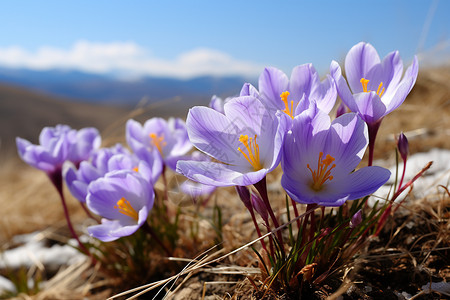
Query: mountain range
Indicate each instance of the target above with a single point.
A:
(108, 89)
(30, 100)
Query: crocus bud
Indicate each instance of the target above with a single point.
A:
(340, 110)
(356, 219)
(244, 194)
(260, 207)
(403, 146)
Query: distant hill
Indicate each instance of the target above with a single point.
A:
(107, 89)
(24, 113)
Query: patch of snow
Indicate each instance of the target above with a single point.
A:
(34, 252)
(440, 287)
(6, 285)
(437, 174)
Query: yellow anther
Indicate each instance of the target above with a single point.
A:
(124, 207)
(158, 141)
(364, 83)
(136, 169)
(288, 110)
(379, 88)
(252, 149)
(323, 171)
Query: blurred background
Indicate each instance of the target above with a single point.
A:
(93, 63)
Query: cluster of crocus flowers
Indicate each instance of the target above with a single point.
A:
(102, 162)
(166, 139)
(292, 96)
(319, 156)
(57, 145)
(241, 140)
(114, 183)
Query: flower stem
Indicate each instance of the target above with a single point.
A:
(88, 213)
(403, 175)
(312, 228)
(261, 187)
(294, 205)
(263, 244)
(56, 179)
(373, 130)
(163, 175)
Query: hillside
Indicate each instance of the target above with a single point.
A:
(24, 113)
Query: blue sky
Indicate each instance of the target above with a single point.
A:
(189, 38)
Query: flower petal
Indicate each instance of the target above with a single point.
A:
(324, 93)
(342, 87)
(272, 82)
(370, 107)
(359, 61)
(301, 81)
(211, 173)
(362, 182)
(212, 133)
(346, 142)
(111, 230)
(404, 87)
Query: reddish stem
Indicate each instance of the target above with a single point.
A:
(403, 175)
(56, 179)
(294, 205)
(88, 213)
(263, 244)
(261, 187)
(312, 228)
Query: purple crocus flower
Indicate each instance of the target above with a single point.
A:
(376, 87)
(123, 199)
(57, 145)
(373, 87)
(166, 139)
(319, 159)
(246, 141)
(104, 161)
(293, 95)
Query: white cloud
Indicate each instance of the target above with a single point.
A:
(127, 58)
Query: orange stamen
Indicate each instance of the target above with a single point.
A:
(364, 83)
(252, 149)
(288, 110)
(323, 172)
(382, 91)
(158, 141)
(124, 207)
